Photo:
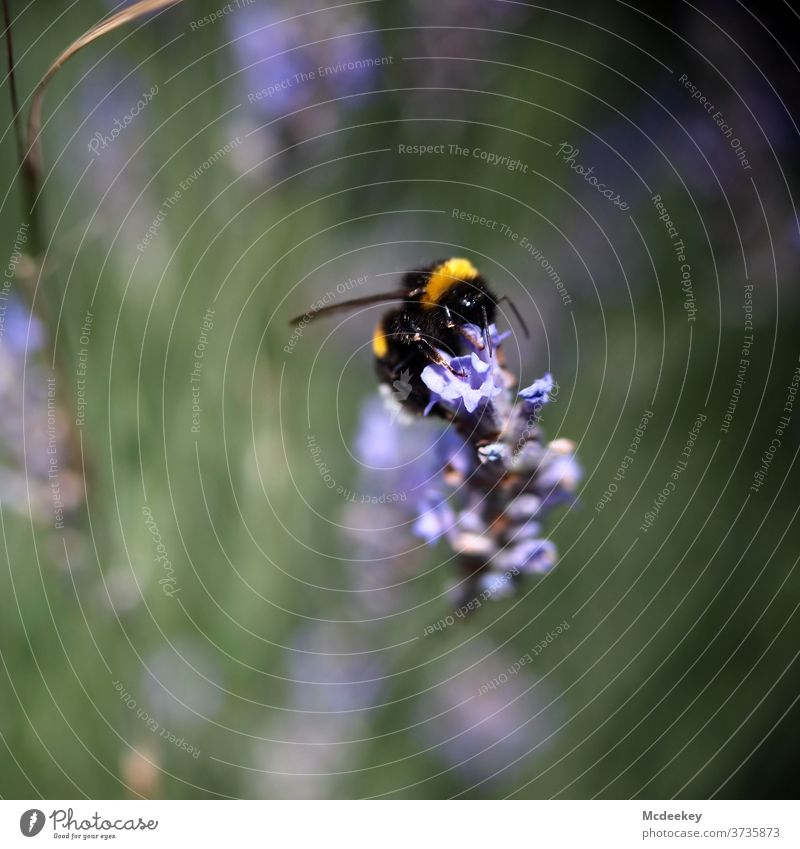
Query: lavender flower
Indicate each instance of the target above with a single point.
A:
(434, 522)
(538, 392)
(36, 475)
(19, 328)
(496, 480)
(481, 381)
(482, 738)
(292, 55)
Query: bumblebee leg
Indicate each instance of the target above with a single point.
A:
(473, 340)
(432, 354)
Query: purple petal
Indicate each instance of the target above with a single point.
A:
(434, 522)
(539, 391)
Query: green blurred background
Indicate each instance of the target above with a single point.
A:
(279, 653)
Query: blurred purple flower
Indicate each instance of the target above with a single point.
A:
(281, 75)
(334, 680)
(21, 331)
(484, 737)
(528, 556)
(35, 472)
(434, 522)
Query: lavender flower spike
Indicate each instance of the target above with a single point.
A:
(497, 480)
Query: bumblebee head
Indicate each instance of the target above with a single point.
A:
(456, 286)
(470, 302)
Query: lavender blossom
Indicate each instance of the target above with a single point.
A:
(538, 392)
(479, 385)
(434, 522)
(292, 55)
(496, 480)
(481, 738)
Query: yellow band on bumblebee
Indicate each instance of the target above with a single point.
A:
(380, 345)
(442, 278)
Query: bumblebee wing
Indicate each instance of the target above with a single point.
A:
(398, 295)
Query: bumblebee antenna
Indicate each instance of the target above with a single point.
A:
(487, 338)
(353, 304)
(516, 313)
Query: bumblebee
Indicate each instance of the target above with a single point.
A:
(437, 301)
